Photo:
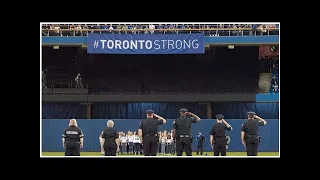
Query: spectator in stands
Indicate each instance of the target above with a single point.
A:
(165, 27)
(275, 84)
(85, 33)
(79, 33)
(145, 27)
(125, 27)
(72, 33)
(78, 81)
(151, 27)
(119, 26)
(134, 27)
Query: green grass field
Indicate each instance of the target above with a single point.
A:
(194, 154)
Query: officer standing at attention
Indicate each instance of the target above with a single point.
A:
(148, 132)
(181, 131)
(250, 133)
(110, 140)
(218, 139)
(72, 139)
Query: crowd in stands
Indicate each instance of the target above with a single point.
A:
(270, 64)
(274, 87)
(130, 143)
(207, 29)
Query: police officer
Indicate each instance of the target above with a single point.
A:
(250, 133)
(147, 132)
(218, 139)
(181, 131)
(110, 140)
(72, 139)
(200, 138)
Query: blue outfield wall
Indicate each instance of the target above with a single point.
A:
(52, 130)
(57, 40)
(267, 97)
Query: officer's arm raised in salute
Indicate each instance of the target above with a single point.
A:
(229, 128)
(262, 122)
(195, 117)
(161, 119)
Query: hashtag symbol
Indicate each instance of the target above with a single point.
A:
(95, 44)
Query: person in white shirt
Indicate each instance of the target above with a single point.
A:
(130, 141)
(124, 141)
(163, 143)
(100, 139)
(151, 27)
(169, 144)
(136, 142)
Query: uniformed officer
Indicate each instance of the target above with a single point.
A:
(110, 140)
(218, 139)
(147, 132)
(181, 131)
(72, 139)
(250, 133)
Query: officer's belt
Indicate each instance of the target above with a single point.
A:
(184, 136)
(220, 138)
(151, 134)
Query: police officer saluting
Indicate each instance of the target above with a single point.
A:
(110, 140)
(250, 133)
(72, 139)
(218, 137)
(181, 131)
(147, 132)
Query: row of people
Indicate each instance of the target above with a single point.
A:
(130, 143)
(80, 30)
(72, 138)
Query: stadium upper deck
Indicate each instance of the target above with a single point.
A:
(207, 29)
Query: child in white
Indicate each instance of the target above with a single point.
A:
(130, 140)
(124, 141)
(163, 143)
(169, 144)
(100, 139)
(136, 142)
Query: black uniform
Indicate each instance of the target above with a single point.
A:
(149, 127)
(183, 134)
(218, 131)
(200, 140)
(110, 146)
(251, 136)
(72, 136)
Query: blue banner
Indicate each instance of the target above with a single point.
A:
(146, 43)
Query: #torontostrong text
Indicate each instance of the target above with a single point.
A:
(146, 44)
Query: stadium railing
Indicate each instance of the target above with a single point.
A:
(150, 93)
(206, 31)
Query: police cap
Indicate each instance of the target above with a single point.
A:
(251, 113)
(183, 110)
(219, 116)
(150, 111)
